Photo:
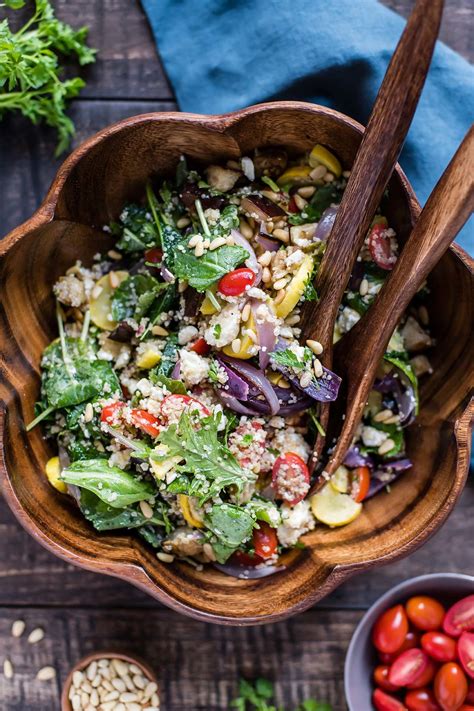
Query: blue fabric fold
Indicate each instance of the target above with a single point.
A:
(221, 55)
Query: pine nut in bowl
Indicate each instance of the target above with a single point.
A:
(104, 677)
(91, 189)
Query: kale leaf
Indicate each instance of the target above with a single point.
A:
(136, 229)
(135, 295)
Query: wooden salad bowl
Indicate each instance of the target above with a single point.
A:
(89, 190)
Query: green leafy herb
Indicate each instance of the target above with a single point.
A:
(310, 293)
(106, 518)
(228, 221)
(408, 372)
(231, 525)
(213, 373)
(316, 422)
(289, 359)
(135, 295)
(174, 386)
(257, 696)
(202, 455)
(181, 171)
(30, 70)
(168, 360)
(163, 302)
(264, 510)
(202, 272)
(271, 183)
(113, 486)
(136, 229)
(217, 331)
(321, 200)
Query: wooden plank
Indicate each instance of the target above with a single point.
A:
(308, 653)
(29, 573)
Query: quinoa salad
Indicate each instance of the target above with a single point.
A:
(180, 399)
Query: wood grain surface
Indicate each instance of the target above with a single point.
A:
(198, 664)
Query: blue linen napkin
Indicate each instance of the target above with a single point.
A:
(222, 55)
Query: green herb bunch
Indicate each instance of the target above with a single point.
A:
(259, 695)
(30, 68)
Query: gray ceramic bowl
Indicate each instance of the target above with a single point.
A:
(361, 657)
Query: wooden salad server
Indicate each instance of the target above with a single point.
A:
(358, 354)
(374, 163)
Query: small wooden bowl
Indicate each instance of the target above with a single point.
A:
(96, 656)
(89, 190)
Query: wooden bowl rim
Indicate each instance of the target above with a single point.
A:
(148, 672)
(135, 573)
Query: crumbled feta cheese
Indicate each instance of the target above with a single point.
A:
(296, 521)
(372, 437)
(187, 334)
(223, 326)
(294, 258)
(347, 319)
(194, 368)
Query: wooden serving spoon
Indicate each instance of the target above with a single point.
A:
(374, 163)
(358, 354)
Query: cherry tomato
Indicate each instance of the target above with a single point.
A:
(201, 347)
(380, 248)
(110, 413)
(390, 630)
(292, 206)
(234, 283)
(460, 617)
(245, 559)
(408, 667)
(154, 255)
(381, 678)
(426, 677)
(145, 421)
(265, 541)
(466, 707)
(466, 652)
(384, 702)
(360, 483)
(470, 693)
(421, 700)
(173, 407)
(450, 686)
(425, 613)
(412, 639)
(290, 478)
(439, 646)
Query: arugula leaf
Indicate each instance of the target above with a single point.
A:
(289, 359)
(106, 518)
(212, 465)
(321, 200)
(134, 296)
(112, 485)
(232, 525)
(136, 229)
(264, 510)
(30, 72)
(407, 370)
(168, 360)
(202, 272)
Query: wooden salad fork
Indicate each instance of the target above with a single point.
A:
(374, 163)
(358, 354)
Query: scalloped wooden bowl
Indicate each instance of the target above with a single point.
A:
(90, 189)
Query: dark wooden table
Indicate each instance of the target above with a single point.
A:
(198, 664)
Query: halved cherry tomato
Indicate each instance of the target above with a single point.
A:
(466, 652)
(381, 678)
(408, 667)
(201, 347)
(384, 702)
(245, 559)
(145, 421)
(450, 687)
(360, 483)
(412, 639)
(380, 248)
(154, 255)
(390, 630)
(234, 283)
(460, 617)
(110, 412)
(265, 541)
(421, 700)
(290, 478)
(173, 406)
(426, 677)
(439, 646)
(425, 612)
(466, 707)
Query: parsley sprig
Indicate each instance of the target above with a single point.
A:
(30, 69)
(257, 696)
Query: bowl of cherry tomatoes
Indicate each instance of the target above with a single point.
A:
(414, 648)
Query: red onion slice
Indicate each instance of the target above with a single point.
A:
(166, 275)
(265, 334)
(323, 230)
(176, 372)
(257, 378)
(245, 573)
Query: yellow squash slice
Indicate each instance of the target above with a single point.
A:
(189, 511)
(100, 306)
(321, 155)
(296, 287)
(245, 351)
(340, 480)
(333, 508)
(53, 471)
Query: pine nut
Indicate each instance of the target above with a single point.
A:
(286, 332)
(96, 292)
(236, 345)
(245, 229)
(195, 239)
(199, 249)
(128, 682)
(128, 696)
(165, 557)
(146, 509)
(96, 681)
(88, 412)
(293, 320)
(18, 627)
(46, 674)
(279, 297)
(282, 235)
(305, 379)
(328, 178)
(346, 173)
(113, 280)
(119, 685)
(183, 222)
(300, 202)
(364, 287)
(315, 346)
(8, 669)
(216, 243)
(151, 688)
(76, 702)
(94, 698)
(182, 286)
(318, 173)
(265, 259)
(318, 368)
(77, 678)
(230, 241)
(386, 446)
(113, 254)
(112, 695)
(138, 679)
(159, 331)
(307, 191)
(280, 284)
(84, 699)
(382, 415)
(155, 700)
(266, 275)
(251, 334)
(36, 635)
(120, 667)
(282, 383)
(392, 420)
(86, 687)
(246, 313)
